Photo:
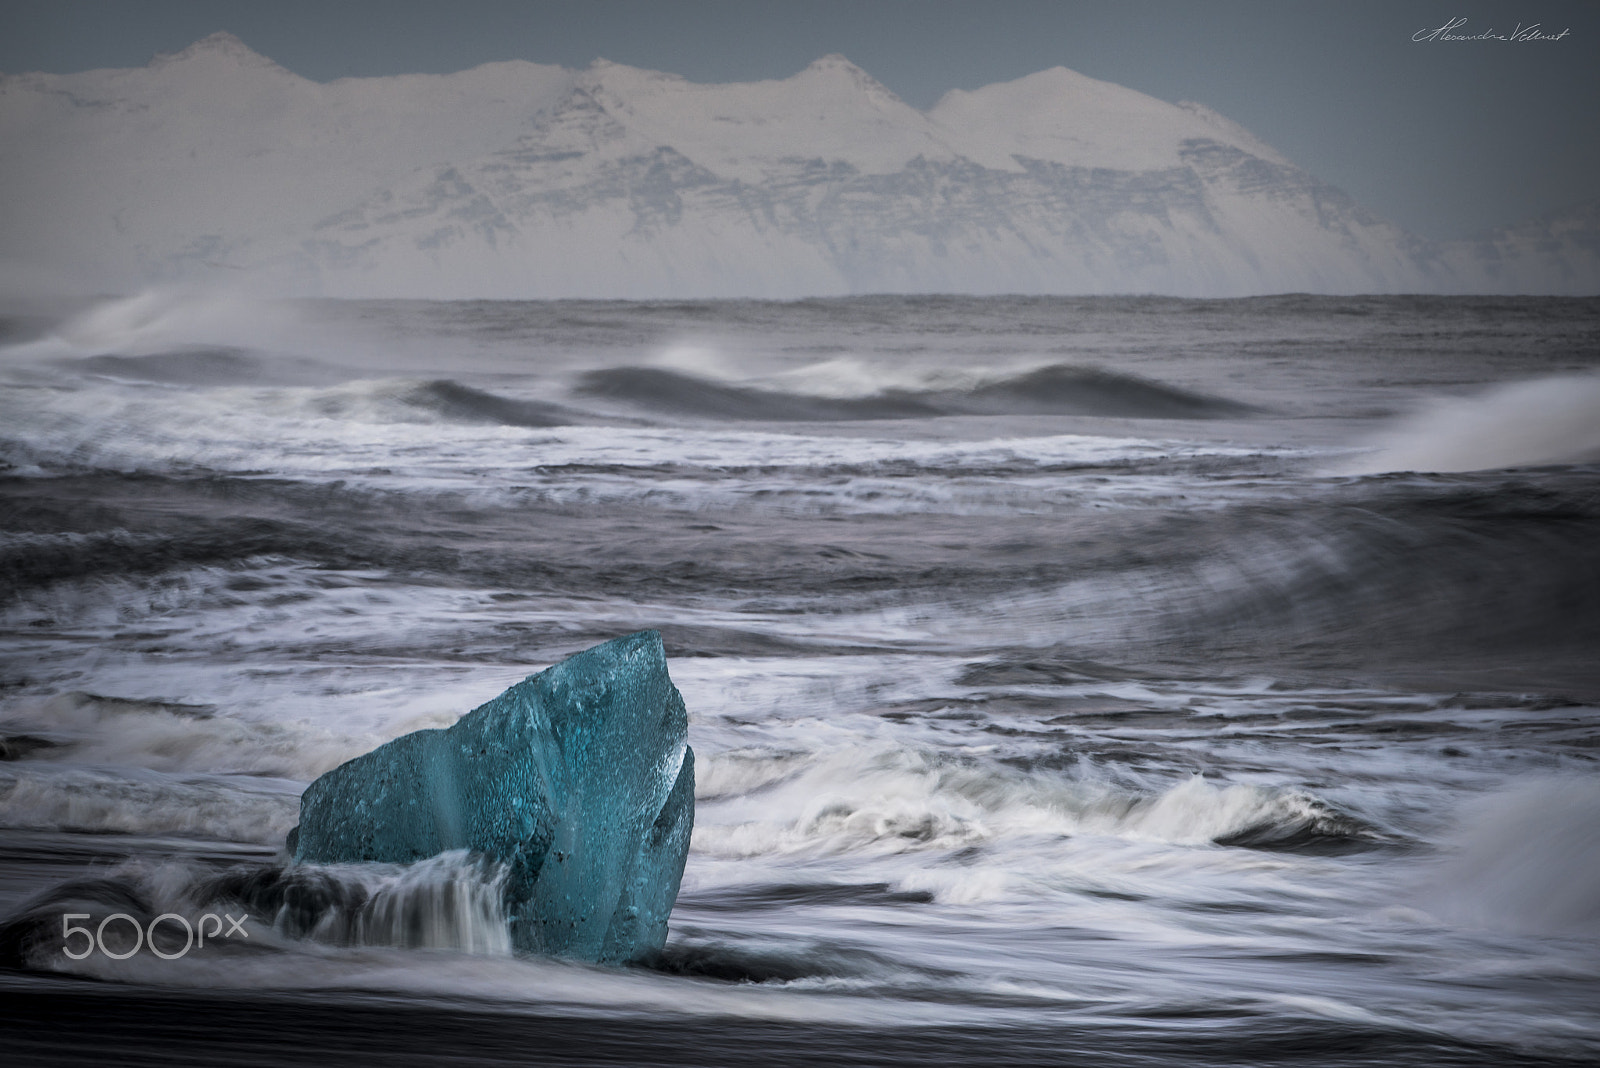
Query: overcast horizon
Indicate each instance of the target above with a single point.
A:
(1445, 138)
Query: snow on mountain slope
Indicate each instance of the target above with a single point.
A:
(155, 171)
(831, 109)
(638, 184)
(521, 180)
(1555, 254)
(1067, 118)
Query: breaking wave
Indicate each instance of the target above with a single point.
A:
(673, 392)
(1058, 389)
(904, 800)
(458, 403)
(205, 367)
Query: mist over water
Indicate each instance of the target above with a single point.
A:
(1189, 681)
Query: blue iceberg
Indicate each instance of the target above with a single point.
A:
(578, 779)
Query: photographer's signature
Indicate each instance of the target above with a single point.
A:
(1449, 32)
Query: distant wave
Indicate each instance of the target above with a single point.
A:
(463, 404)
(682, 394)
(210, 367)
(1059, 389)
(206, 367)
(1062, 389)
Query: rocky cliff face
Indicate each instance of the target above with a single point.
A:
(520, 180)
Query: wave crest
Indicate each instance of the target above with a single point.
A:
(1057, 389)
(897, 801)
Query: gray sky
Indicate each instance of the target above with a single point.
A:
(1446, 138)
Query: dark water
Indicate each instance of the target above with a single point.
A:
(1112, 681)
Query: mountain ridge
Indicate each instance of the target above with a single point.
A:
(517, 179)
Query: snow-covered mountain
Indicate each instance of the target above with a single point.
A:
(521, 180)
(1554, 254)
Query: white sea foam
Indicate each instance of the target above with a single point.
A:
(709, 361)
(445, 902)
(125, 801)
(876, 800)
(853, 376)
(174, 738)
(453, 901)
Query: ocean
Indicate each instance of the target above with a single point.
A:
(1125, 681)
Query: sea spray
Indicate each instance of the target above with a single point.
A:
(1543, 421)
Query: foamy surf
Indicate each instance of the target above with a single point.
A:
(1023, 731)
